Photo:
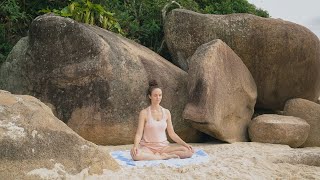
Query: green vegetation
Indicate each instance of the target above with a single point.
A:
(13, 21)
(15, 18)
(87, 12)
(229, 7)
(139, 20)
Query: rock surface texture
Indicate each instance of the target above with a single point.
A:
(283, 57)
(95, 80)
(277, 129)
(308, 111)
(31, 137)
(222, 93)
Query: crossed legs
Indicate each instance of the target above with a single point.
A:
(146, 154)
(181, 151)
(166, 153)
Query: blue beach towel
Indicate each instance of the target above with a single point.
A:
(124, 159)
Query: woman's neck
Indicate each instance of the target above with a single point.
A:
(155, 107)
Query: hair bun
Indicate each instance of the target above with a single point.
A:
(153, 83)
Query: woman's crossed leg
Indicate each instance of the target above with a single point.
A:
(144, 153)
(181, 151)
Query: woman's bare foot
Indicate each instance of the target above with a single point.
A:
(170, 156)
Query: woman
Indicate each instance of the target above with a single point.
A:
(150, 141)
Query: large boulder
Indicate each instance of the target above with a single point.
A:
(95, 80)
(222, 93)
(283, 57)
(15, 68)
(308, 111)
(31, 137)
(278, 129)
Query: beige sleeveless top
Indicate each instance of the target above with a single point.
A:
(155, 131)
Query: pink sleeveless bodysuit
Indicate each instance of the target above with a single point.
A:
(154, 135)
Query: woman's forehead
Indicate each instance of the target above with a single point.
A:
(157, 91)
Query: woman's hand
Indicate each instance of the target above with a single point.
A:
(134, 151)
(189, 147)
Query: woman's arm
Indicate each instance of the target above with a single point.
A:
(173, 135)
(138, 136)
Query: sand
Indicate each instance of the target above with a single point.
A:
(246, 160)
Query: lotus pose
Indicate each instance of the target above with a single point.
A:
(150, 141)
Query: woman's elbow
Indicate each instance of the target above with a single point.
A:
(172, 135)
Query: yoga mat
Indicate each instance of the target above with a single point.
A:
(124, 159)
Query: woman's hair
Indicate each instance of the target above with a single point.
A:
(153, 84)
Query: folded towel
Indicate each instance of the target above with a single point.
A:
(124, 158)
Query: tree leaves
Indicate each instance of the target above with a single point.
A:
(139, 20)
(87, 12)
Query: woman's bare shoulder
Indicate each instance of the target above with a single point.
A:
(166, 111)
(144, 111)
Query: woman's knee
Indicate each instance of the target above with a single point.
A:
(184, 152)
(182, 148)
(190, 153)
(136, 157)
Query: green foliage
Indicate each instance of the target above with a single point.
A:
(230, 6)
(13, 23)
(87, 12)
(140, 20)
(15, 18)
(262, 13)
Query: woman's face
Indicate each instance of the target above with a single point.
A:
(156, 96)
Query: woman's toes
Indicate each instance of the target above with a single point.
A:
(170, 156)
(165, 156)
(175, 156)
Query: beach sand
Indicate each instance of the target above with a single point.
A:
(243, 160)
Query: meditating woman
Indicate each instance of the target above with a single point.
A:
(150, 141)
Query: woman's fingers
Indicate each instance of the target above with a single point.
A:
(190, 148)
(134, 151)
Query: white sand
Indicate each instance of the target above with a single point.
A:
(228, 161)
